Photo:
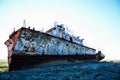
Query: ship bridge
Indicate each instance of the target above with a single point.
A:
(62, 32)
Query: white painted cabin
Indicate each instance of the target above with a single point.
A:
(60, 31)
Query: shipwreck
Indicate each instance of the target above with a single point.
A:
(28, 47)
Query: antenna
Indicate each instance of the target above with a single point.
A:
(13, 29)
(55, 24)
(24, 24)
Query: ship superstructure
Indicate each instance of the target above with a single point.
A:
(62, 32)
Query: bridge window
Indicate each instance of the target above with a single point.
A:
(54, 28)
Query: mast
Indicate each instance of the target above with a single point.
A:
(24, 24)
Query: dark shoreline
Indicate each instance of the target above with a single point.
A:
(63, 70)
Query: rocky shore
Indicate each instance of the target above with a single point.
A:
(63, 70)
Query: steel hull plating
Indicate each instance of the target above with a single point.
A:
(24, 61)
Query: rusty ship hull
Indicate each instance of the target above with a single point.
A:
(28, 47)
(17, 62)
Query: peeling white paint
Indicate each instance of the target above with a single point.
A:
(46, 44)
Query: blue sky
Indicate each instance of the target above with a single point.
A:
(97, 21)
